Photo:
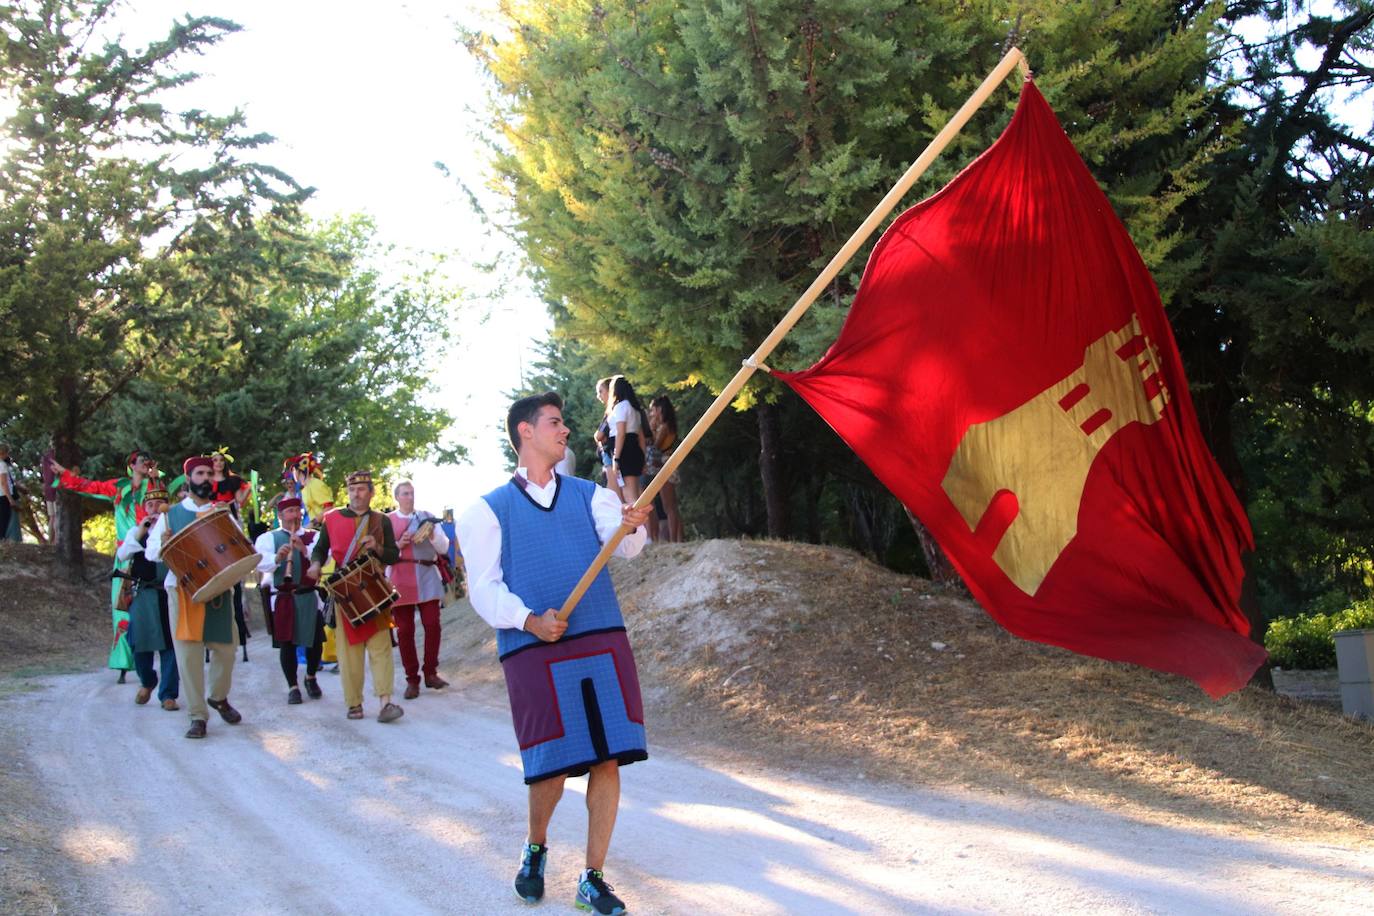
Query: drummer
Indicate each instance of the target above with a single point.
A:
(295, 617)
(198, 628)
(349, 533)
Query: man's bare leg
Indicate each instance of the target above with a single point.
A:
(603, 802)
(544, 796)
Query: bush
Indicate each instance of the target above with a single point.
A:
(1305, 641)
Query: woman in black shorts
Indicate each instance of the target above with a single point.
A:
(628, 427)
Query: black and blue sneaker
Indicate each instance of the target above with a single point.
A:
(594, 895)
(529, 880)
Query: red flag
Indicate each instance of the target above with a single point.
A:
(1007, 370)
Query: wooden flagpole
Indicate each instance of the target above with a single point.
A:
(1010, 61)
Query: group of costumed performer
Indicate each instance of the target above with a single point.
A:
(348, 533)
(150, 631)
(573, 686)
(296, 618)
(198, 629)
(417, 579)
(128, 494)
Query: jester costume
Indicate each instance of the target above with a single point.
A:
(128, 509)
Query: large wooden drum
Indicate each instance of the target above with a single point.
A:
(361, 589)
(210, 555)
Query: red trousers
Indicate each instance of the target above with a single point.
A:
(404, 615)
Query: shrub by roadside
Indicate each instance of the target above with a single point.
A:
(1304, 642)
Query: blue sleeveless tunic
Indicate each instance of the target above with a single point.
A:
(576, 702)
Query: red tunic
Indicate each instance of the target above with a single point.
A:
(341, 529)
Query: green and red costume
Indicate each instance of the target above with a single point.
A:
(128, 509)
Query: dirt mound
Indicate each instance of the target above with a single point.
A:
(49, 625)
(814, 657)
(816, 654)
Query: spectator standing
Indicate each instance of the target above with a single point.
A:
(628, 426)
(663, 440)
(9, 498)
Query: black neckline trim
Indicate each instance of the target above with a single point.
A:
(521, 483)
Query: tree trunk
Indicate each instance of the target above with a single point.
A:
(67, 544)
(1249, 603)
(942, 571)
(774, 499)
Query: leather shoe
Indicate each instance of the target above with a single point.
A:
(294, 697)
(312, 688)
(197, 729)
(170, 705)
(226, 712)
(390, 713)
(435, 682)
(412, 691)
(143, 695)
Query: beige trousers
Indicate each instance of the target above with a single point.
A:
(191, 665)
(378, 651)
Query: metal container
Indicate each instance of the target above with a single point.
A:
(1355, 665)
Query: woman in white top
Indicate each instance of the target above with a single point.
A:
(628, 424)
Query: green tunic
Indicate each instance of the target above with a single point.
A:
(307, 610)
(148, 612)
(219, 611)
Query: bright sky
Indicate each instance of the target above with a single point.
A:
(363, 98)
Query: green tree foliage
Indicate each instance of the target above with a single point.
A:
(680, 172)
(328, 357)
(1274, 317)
(125, 228)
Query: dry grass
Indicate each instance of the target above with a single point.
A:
(831, 664)
(47, 625)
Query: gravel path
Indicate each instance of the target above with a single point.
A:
(299, 810)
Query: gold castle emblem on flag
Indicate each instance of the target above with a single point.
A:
(1043, 450)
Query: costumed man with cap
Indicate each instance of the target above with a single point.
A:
(150, 631)
(198, 628)
(304, 479)
(296, 619)
(347, 533)
(127, 494)
(417, 580)
(574, 689)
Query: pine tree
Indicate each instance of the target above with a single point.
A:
(125, 228)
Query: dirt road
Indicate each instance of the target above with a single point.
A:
(298, 810)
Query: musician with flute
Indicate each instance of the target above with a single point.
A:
(284, 558)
